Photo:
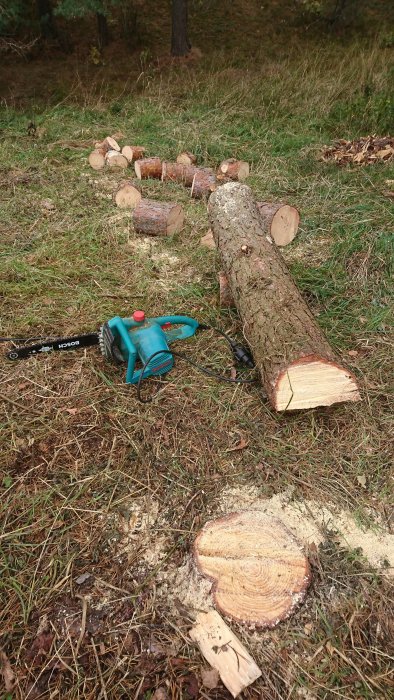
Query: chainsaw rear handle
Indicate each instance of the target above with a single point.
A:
(186, 326)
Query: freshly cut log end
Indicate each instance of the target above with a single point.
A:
(97, 159)
(259, 571)
(226, 299)
(311, 382)
(127, 195)
(281, 221)
(297, 365)
(153, 218)
(109, 144)
(133, 153)
(115, 159)
(234, 169)
(186, 158)
(148, 168)
(178, 172)
(204, 183)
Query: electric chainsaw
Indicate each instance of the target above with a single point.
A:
(139, 339)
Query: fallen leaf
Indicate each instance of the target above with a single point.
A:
(353, 353)
(362, 480)
(239, 446)
(82, 578)
(7, 672)
(190, 684)
(210, 678)
(385, 152)
(40, 648)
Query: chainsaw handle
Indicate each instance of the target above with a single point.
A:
(187, 327)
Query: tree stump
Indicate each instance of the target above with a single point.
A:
(153, 218)
(259, 571)
(234, 169)
(297, 365)
(127, 196)
(280, 221)
(148, 168)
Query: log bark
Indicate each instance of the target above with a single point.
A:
(148, 168)
(127, 196)
(178, 172)
(297, 365)
(259, 571)
(234, 169)
(153, 218)
(281, 221)
(114, 159)
(186, 158)
(204, 183)
(223, 651)
(97, 159)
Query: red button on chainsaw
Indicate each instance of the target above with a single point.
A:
(139, 316)
(165, 326)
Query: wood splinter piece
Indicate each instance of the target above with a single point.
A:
(223, 651)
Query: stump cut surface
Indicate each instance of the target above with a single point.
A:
(259, 571)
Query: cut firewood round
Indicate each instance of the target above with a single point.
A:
(259, 571)
(226, 299)
(114, 159)
(204, 183)
(97, 159)
(148, 168)
(133, 153)
(178, 172)
(234, 169)
(281, 221)
(153, 218)
(127, 196)
(297, 365)
(186, 158)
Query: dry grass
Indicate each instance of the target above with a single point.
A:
(92, 480)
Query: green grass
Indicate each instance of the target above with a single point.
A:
(77, 447)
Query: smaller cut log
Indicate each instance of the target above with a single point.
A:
(114, 159)
(133, 153)
(127, 196)
(153, 218)
(226, 299)
(223, 651)
(109, 144)
(234, 169)
(148, 168)
(97, 159)
(177, 172)
(186, 158)
(204, 183)
(208, 240)
(281, 221)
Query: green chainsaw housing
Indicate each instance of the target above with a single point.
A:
(138, 338)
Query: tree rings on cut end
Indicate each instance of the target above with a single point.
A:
(259, 571)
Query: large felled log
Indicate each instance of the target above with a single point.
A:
(297, 365)
(178, 172)
(226, 299)
(153, 218)
(127, 196)
(148, 168)
(186, 158)
(280, 221)
(224, 651)
(234, 169)
(204, 183)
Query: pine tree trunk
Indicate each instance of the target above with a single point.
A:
(180, 44)
(297, 365)
(102, 30)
